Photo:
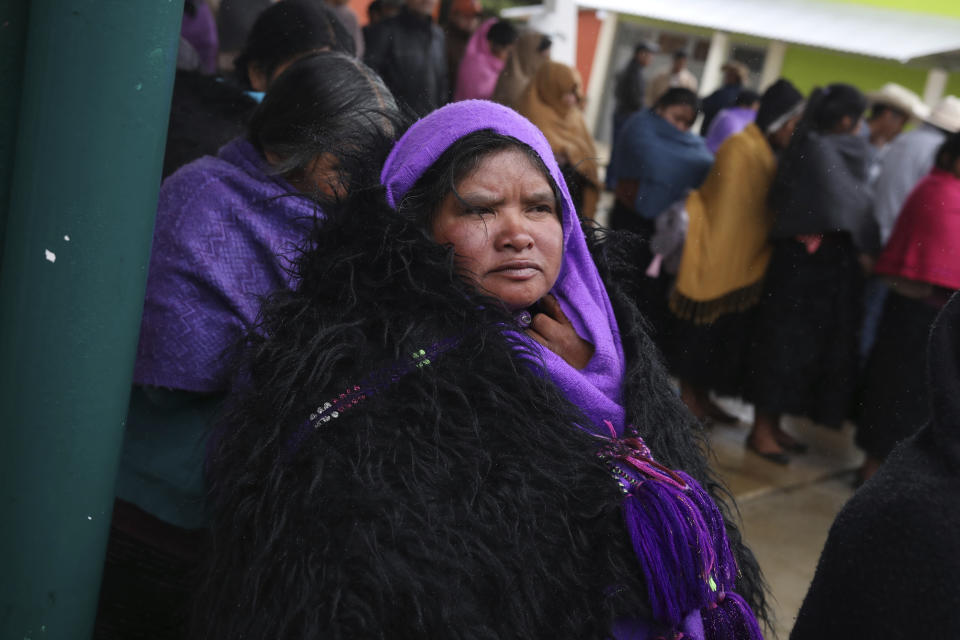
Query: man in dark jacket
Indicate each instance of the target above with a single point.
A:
(630, 87)
(735, 76)
(408, 51)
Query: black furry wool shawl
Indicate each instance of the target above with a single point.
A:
(890, 564)
(459, 502)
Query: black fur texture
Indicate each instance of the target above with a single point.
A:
(461, 502)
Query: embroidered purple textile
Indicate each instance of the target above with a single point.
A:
(224, 237)
(596, 390)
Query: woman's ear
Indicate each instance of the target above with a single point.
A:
(272, 158)
(257, 77)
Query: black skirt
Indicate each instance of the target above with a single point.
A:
(149, 577)
(894, 400)
(711, 356)
(804, 354)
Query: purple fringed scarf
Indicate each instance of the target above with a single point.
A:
(596, 390)
(680, 539)
(224, 235)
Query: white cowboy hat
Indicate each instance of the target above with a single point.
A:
(946, 115)
(900, 98)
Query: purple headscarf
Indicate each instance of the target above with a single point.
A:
(224, 237)
(728, 122)
(597, 389)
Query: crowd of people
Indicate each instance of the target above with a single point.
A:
(393, 380)
(777, 274)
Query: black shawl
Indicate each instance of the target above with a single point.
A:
(821, 187)
(890, 565)
(459, 502)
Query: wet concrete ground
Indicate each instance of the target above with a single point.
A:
(787, 510)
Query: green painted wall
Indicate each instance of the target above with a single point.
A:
(808, 67)
(936, 7)
(953, 85)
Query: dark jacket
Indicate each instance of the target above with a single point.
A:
(889, 567)
(630, 89)
(459, 501)
(408, 51)
(205, 115)
(717, 101)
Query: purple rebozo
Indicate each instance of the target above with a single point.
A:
(226, 237)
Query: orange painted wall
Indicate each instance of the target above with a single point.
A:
(588, 32)
(360, 8)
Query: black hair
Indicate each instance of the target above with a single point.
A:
(678, 54)
(879, 108)
(948, 153)
(678, 96)
(828, 107)
(545, 43)
(421, 203)
(502, 33)
(327, 103)
(642, 46)
(287, 30)
(746, 97)
(374, 8)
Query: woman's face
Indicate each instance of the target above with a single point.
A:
(570, 99)
(505, 228)
(322, 175)
(679, 115)
(781, 137)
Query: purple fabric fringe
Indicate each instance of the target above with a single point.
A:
(680, 539)
(731, 619)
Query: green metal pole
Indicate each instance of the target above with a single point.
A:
(13, 36)
(97, 83)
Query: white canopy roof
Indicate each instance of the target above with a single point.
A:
(880, 33)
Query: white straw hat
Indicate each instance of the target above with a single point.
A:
(946, 115)
(900, 98)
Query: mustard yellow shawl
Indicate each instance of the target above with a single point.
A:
(563, 125)
(726, 251)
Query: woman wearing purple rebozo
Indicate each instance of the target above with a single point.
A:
(227, 229)
(456, 426)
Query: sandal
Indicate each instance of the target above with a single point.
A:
(776, 457)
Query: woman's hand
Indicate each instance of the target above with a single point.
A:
(554, 331)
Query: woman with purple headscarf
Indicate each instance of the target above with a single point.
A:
(456, 427)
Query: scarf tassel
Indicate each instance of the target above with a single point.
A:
(673, 544)
(725, 567)
(731, 619)
(680, 540)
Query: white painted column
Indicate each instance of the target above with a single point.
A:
(936, 85)
(601, 64)
(716, 56)
(559, 21)
(772, 64)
